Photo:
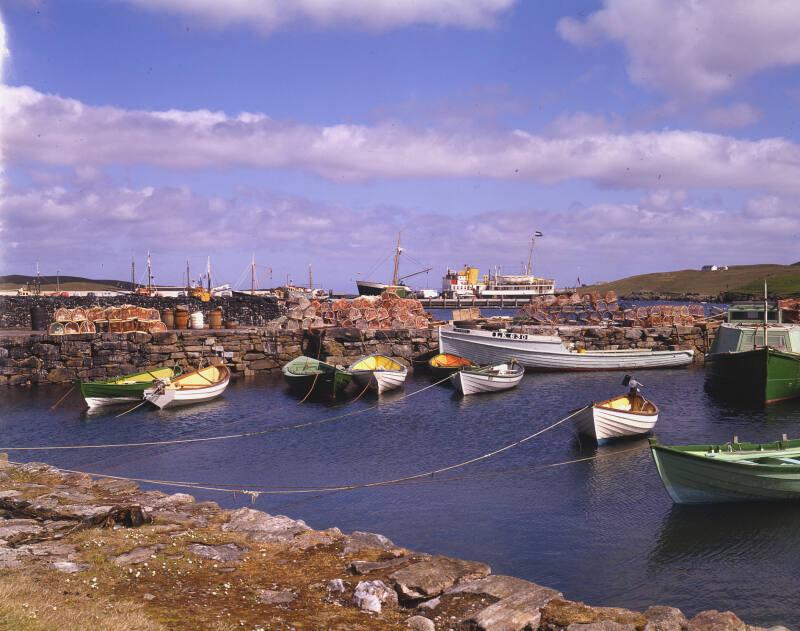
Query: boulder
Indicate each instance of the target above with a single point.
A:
(429, 578)
(372, 595)
(662, 618)
(275, 597)
(138, 555)
(336, 586)
(420, 623)
(365, 567)
(176, 499)
(713, 620)
(516, 610)
(259, 526)
(358, 541)
(603, 625)
(225, 552)
(560, 614)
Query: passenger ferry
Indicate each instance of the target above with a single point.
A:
(466, 282)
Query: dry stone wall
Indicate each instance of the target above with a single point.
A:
(36, 359)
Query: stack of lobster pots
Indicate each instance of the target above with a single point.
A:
(387, 311)
(106, 319)
(595, 309)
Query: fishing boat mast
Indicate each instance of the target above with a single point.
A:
(149, 274)
(397, 253)
(529, 269)
(310, 278)
(133, 273)
(253, 276)
(208, 273)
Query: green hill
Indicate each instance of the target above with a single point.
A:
(738, 280)
(66, 283)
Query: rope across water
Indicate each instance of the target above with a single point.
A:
(348, 487)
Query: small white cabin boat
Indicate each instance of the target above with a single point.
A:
(548, 352)
(488, 379)
(197, 386)
(379, 372)
(626, 415)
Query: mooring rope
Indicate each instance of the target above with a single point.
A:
(254, 494)
(270, 430)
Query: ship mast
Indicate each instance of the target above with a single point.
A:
(310, 278)
(253, 276)
(133, 274)
(149, 274)
(529, 270)
(397, 252)
(188, 280)
(208, 273)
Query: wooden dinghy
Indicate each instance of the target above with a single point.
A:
(381, 373)
(627, 415)
(123, 389)
(308, 375)
(197, 386)
(731, 472)
(445, 364)
(488, 378)
(549, 352)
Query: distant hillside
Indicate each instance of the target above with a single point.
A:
(738, 280)
(66, 283)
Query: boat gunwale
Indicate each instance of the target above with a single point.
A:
(356, 371)
(602, 405)
(691, 452)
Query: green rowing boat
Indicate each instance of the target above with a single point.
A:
(306, 375)
(121, 389)
(731, 472)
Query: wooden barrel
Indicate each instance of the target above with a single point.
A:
(168, 318)
(215, 319)
(181, 319)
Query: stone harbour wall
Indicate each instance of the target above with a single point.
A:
(27, 359)
(15, 312)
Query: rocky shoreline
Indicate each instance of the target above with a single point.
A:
(78, 551)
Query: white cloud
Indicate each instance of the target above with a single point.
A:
(736, 115)
(663, 230)
(58, 131)
(689, 48)
(376, 15)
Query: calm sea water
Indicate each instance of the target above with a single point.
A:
(603, 531)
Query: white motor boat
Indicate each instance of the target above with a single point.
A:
(197, 386)
(627, 415)
(379, 372)
(549, 352)
(488, 378)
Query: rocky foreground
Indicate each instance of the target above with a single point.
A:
(78, 552)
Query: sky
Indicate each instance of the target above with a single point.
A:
(636, 135)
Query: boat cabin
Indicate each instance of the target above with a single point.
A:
(733, 339)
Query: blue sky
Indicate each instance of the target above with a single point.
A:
(637, 135)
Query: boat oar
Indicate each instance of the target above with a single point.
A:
(57, 403)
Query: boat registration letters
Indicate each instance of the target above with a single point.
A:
(510, 336)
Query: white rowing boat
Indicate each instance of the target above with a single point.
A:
(627, 415)
(379, 372)
(488, 379)
(197, 386)
(549, 352)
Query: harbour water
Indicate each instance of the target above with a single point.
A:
(603, 530)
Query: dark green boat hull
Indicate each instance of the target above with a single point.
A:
(763, 375)
(328, 385)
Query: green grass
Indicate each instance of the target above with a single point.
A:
(783, 280)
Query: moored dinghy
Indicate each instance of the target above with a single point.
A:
(306, 375)
(627, 415)
(197, 386)
(445, 364)
(731, 472)
(379, 372)
(125, 389)
(488, 378)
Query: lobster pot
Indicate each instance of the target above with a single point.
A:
(215, 319)
(197, 320)
(56, 329)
